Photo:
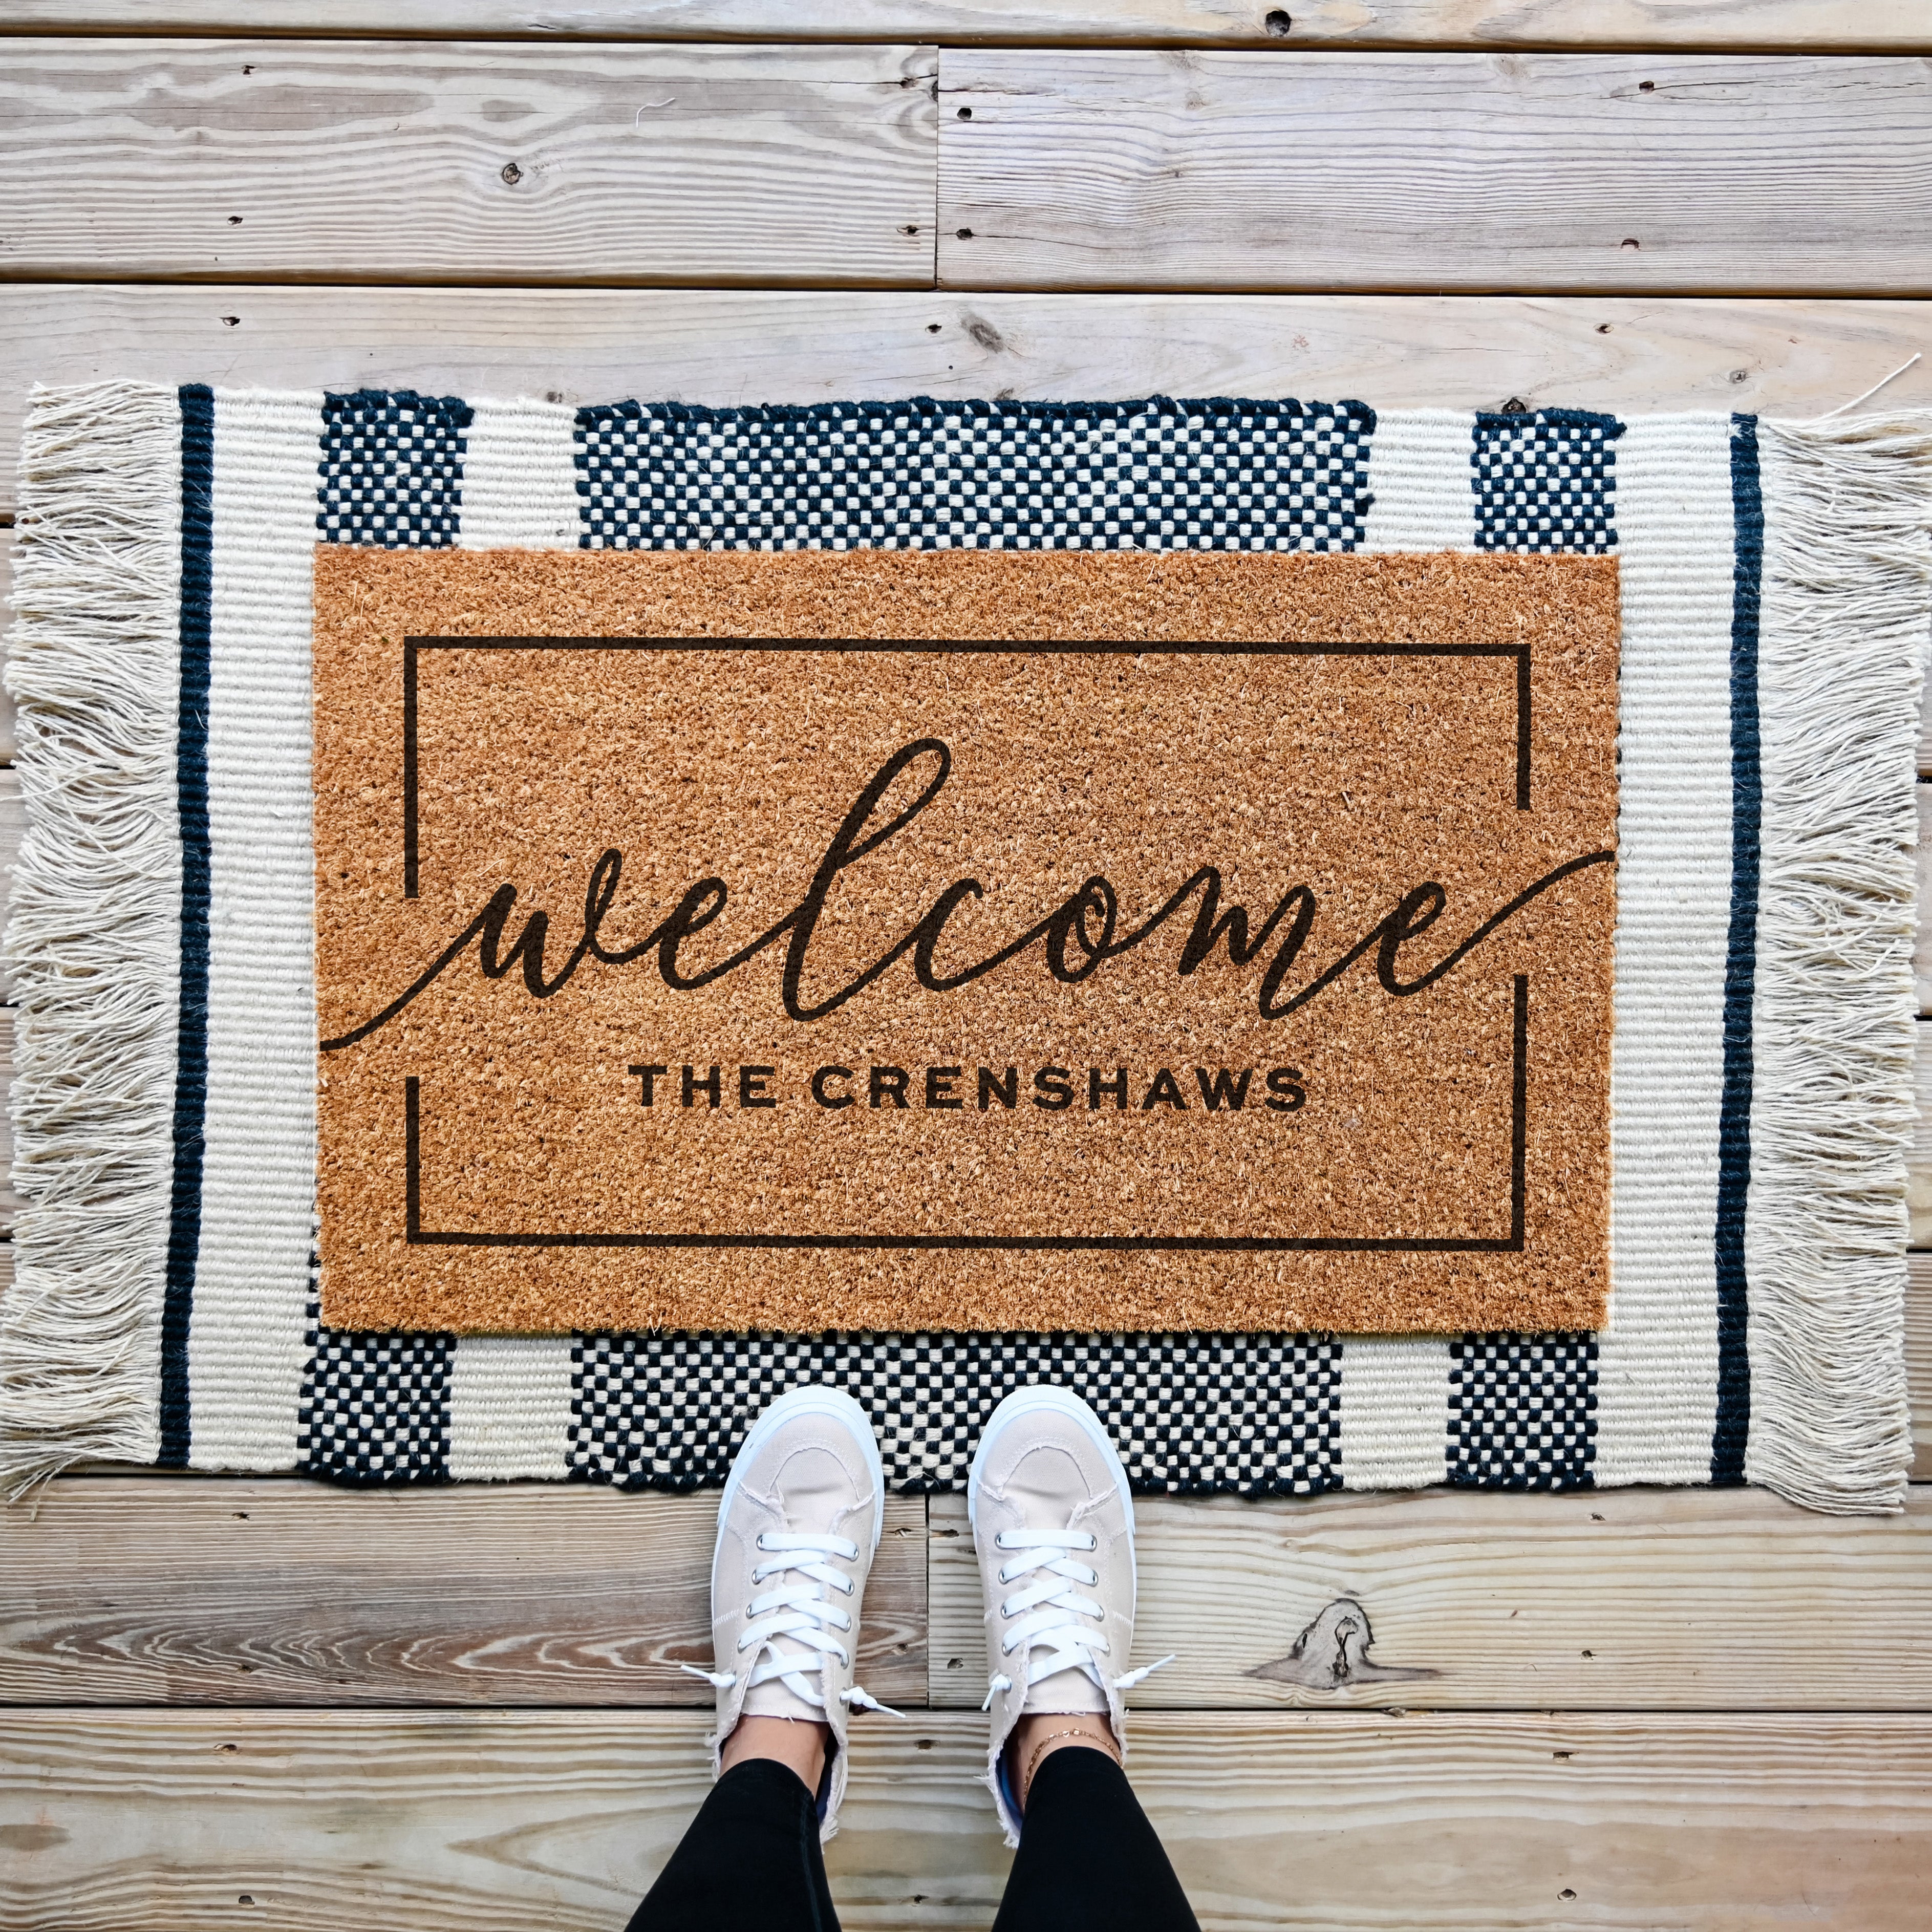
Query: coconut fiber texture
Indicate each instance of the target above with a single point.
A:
(1023, 1113)
(1374, 949)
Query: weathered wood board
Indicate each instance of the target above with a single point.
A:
(1611, 1599)
(444, 161)
(182, 1591)
(1754, 24)
(433, 161)
(179, 1590)
(333, 1821)
(1098, 170)
(719, 346)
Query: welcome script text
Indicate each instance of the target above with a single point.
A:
(1078, 937)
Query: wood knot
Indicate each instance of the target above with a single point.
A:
(1333, 1652)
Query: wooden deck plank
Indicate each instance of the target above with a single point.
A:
(180, 1591)
(1754, 24)
(142, 1821)
(337, 160)
(1612, 1599)
(1097, 169)
(1792, 358)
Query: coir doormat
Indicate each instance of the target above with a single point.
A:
(969, 940)
(382, 860)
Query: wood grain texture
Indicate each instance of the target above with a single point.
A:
(1099, 169)
(442, 161)
(182, 1592)
(1626, 1599)
(1760, 24)
(725, 346)
(333, 1821)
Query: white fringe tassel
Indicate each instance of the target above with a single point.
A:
(93, 939)
(1847, 599)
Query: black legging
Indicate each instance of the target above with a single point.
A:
(1088, 1860)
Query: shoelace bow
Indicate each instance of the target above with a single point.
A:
(1050, 1614)
(803, 1614)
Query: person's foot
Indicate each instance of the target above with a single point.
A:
(1054, 1523)
(798, 1525)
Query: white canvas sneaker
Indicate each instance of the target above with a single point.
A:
(1053, 1520)
(798, 1526)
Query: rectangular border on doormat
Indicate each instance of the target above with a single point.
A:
(1511, 1243)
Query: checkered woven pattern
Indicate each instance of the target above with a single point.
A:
(1546, 483)
(392, 469)
(1522, 1408)
(375, 1408)
(1252, 1413)
(1216, 475)
(1522, 1412)
(1255, 1413)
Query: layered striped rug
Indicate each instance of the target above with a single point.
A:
(1775, 598)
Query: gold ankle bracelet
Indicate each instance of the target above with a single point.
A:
(1106, 1744)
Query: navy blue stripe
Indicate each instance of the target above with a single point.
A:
(1732, 1429)
(197, 409)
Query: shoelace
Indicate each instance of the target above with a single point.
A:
(803, 1614)
(1050, 1614)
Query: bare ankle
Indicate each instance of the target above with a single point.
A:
(797, 1745)
(1040, 1733)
